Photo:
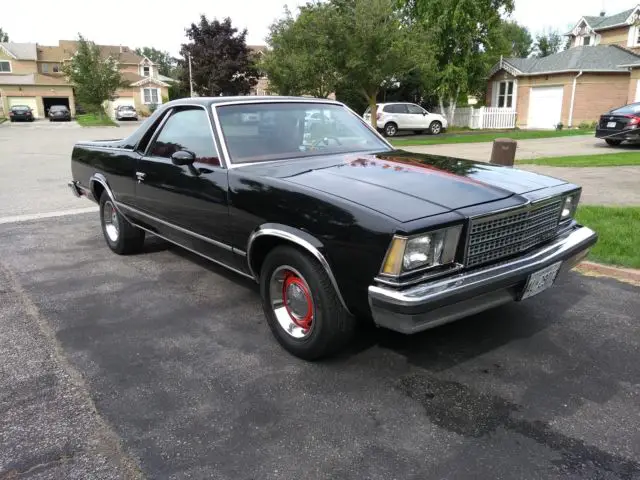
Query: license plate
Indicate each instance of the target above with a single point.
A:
(541, 280)
(611, 125)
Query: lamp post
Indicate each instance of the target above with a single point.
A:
(190, 78)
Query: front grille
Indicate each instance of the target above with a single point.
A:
(497, 236)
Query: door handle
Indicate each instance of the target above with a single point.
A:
(140, 176)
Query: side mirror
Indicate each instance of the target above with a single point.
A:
(183, 157)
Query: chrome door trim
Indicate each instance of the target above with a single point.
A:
(218, 262)
(216, 243)
(274, 232)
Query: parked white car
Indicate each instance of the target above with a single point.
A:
(393, 117)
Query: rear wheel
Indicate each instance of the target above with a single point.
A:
(121, 237)
(390, 129)
(301, 306)
(613, 143)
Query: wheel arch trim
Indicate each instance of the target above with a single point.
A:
(101, 179)
(297, 237)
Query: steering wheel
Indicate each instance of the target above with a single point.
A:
(325, 141)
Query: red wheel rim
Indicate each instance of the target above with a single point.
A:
(294, 286)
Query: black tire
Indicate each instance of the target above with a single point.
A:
(435, 128)
(418, 132)
(612, 143)
(390, 129)
(129, 239)
(332, 325)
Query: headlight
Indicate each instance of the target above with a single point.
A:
(569, 206)
(426, 250)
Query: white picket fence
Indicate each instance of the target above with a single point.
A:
(484, 117)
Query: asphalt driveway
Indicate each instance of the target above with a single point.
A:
(161, 366)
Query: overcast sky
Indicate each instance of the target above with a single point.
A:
(139, 23)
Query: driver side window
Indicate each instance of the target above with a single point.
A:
(186, 129)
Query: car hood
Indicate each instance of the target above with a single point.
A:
(407, 186)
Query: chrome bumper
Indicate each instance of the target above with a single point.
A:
(74, 189)
(444, 300)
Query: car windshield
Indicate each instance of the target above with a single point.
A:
(632, 109)
(293, 130)
(57, 108)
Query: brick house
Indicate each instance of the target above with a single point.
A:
(31, 74)
(600, 71)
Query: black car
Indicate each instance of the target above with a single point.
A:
(620, 124)
(59, 113)
(332, 222)
(21, 112)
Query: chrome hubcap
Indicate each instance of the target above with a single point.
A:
(110, 219)
(291, 301)
(391, 130)
(436, 128)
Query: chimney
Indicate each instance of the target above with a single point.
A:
(602, 13)
(120, 48)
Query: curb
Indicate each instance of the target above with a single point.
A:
(629, 275)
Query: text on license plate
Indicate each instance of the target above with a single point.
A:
(611, 125)
(541, 280)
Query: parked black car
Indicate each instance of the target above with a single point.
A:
(620, 124)
(21, 112)
(331, 221)
(59, 113)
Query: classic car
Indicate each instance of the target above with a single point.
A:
(334, 223)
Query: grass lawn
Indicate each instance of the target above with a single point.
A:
(93, 120)
(606, 160)
(486, 136)
(619, 234)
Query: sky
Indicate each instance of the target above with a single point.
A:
(138, 23)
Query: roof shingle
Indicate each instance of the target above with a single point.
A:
(22, 51)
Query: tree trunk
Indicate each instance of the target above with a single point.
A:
(453, 102)
(441, 103)
(372, 99)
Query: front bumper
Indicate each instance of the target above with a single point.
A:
(444, 300)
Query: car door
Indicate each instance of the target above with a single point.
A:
(401, 114)
(419, 120)
(187, 203)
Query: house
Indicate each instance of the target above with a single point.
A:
(31, 74)
(600, 71)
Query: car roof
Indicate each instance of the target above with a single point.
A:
(247, 99)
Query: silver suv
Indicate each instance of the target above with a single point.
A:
(393, 117)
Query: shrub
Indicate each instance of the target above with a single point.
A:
(560, 126)
(584, 125)
(594, 125)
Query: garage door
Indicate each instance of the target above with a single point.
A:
(545, 107)
(112, 105)
(29, 101)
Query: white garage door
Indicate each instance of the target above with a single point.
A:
(112, 105)
(29, 101)
(545, 107)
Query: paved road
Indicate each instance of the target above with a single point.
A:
(34, 161)
(162, 366)
(534, 148)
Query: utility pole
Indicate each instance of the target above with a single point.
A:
(190, 78)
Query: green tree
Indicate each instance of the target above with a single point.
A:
(548, 43)
(301, 58)
(4, 36)
(163, 60)
(461, 32)
(220, 59)
(519, 41)
(373, 47)
(95, 78)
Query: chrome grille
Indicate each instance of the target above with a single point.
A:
(497, 236)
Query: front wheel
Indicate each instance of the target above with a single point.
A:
(121, 237)
(612, 143)
(435, 128)
(301, 305)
